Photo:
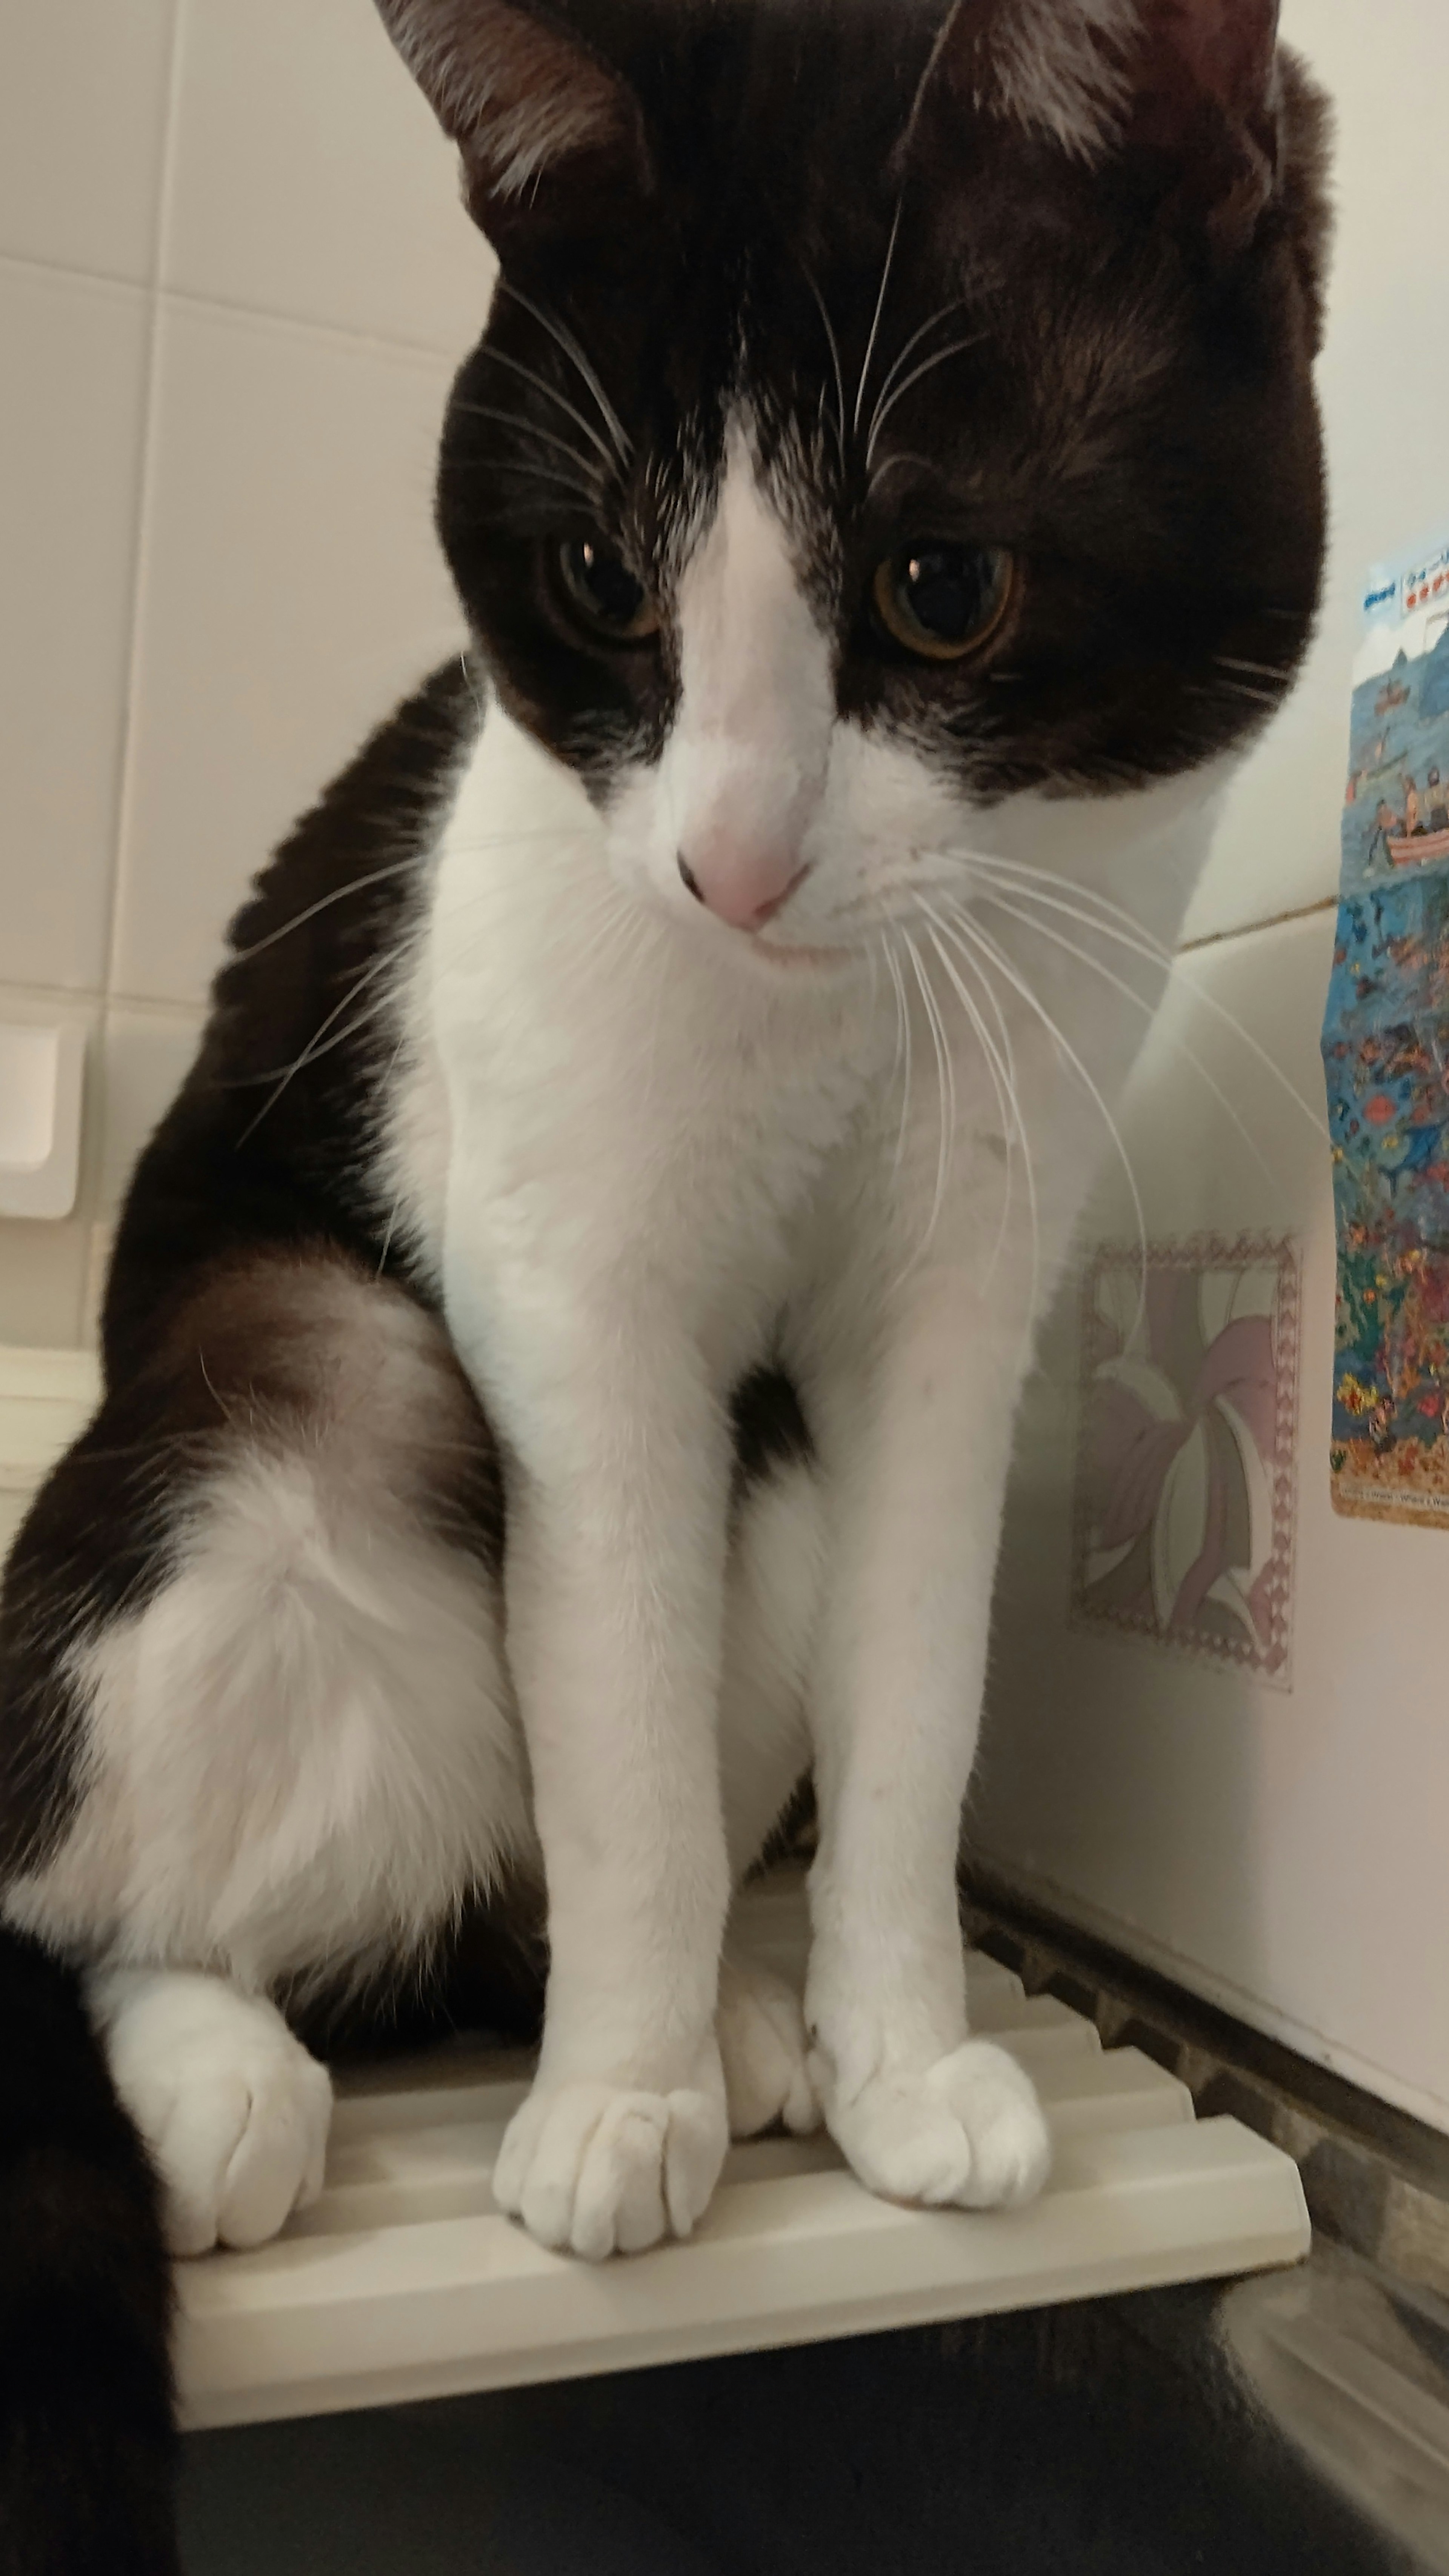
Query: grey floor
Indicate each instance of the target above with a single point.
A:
(1112, 2439)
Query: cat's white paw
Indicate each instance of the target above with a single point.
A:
(598, 2169)
(760, 2026)
(968, 2132)
(233, 2108)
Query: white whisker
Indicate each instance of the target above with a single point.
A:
(875, 318)
(1001, 1059)
(1105, 916)
(283, 1075)
(515, 366)
(598, 902)
(958, 305)
(374, 876)
(354, 885)
(471, 685)
(897, 464)
(531, 429)
(938, 358)
(990, 949)
(835, 363)
(570, 347)
(903, 1051)
(946, 1089)
(873, 996)
(1255, 670)
(592, 499)
(1004, 1108)
(1243, 689)
(1149, 1010)
(392, 1215)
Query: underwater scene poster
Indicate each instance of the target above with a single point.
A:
(1386, 1059)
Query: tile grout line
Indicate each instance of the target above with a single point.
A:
(377, 343)
(1250, 929)
(384, 344)
(145, 500)
(96, 1226)
(30, 267)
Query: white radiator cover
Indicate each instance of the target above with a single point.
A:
(404, 2281)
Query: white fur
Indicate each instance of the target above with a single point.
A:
(774, 1587)
(233, 2108)
(692, 1147)
(764, 2051)
(1057, 66)
(969, 2132)
(742, 771)
(304, 1752)
(301, 1750)
(517, 96)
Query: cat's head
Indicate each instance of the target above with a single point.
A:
(887, 410)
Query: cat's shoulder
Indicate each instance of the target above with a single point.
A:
(352, 852)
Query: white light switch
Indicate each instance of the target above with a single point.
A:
(42, 1069)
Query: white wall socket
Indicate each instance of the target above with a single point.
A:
(42, 1078)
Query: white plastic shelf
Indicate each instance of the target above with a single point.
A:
(404, 2281)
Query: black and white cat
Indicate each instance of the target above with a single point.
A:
(563, 1344)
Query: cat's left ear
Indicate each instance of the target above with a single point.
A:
(1189, 87)
(550, 131)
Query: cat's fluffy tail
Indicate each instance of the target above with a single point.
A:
(87, 2440)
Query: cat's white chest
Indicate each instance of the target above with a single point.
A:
(608, 1102)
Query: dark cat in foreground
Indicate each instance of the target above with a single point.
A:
(562, 1346)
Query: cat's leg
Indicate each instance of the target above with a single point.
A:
(764, 2049)
(618, 1514)
(920, 1447)
(772, 1602)
(234, 2110)
(250, 1655)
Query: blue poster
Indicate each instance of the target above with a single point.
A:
(1386, 1058)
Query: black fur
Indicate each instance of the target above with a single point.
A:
(189, 1331)
(246, 1168)
(86, 2444)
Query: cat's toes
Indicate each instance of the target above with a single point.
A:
(233, 2108)
(760, 2027)
(597, 2169)
(969, 2132)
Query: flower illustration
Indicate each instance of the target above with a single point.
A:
(1183, 1535)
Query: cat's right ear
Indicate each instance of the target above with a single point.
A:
(550, 132)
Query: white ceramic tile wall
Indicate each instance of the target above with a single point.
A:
(357, 222)
(234, 276)
(233, 273)
(83, 97)
(72, 386)
(259, 665)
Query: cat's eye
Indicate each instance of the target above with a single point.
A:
(942, 601)
(603, 593)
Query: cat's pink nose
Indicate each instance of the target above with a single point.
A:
(746, 888)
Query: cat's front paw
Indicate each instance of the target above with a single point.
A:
(760, 2026)
(232, 2107)
(598, 2169)
(967, 2132)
